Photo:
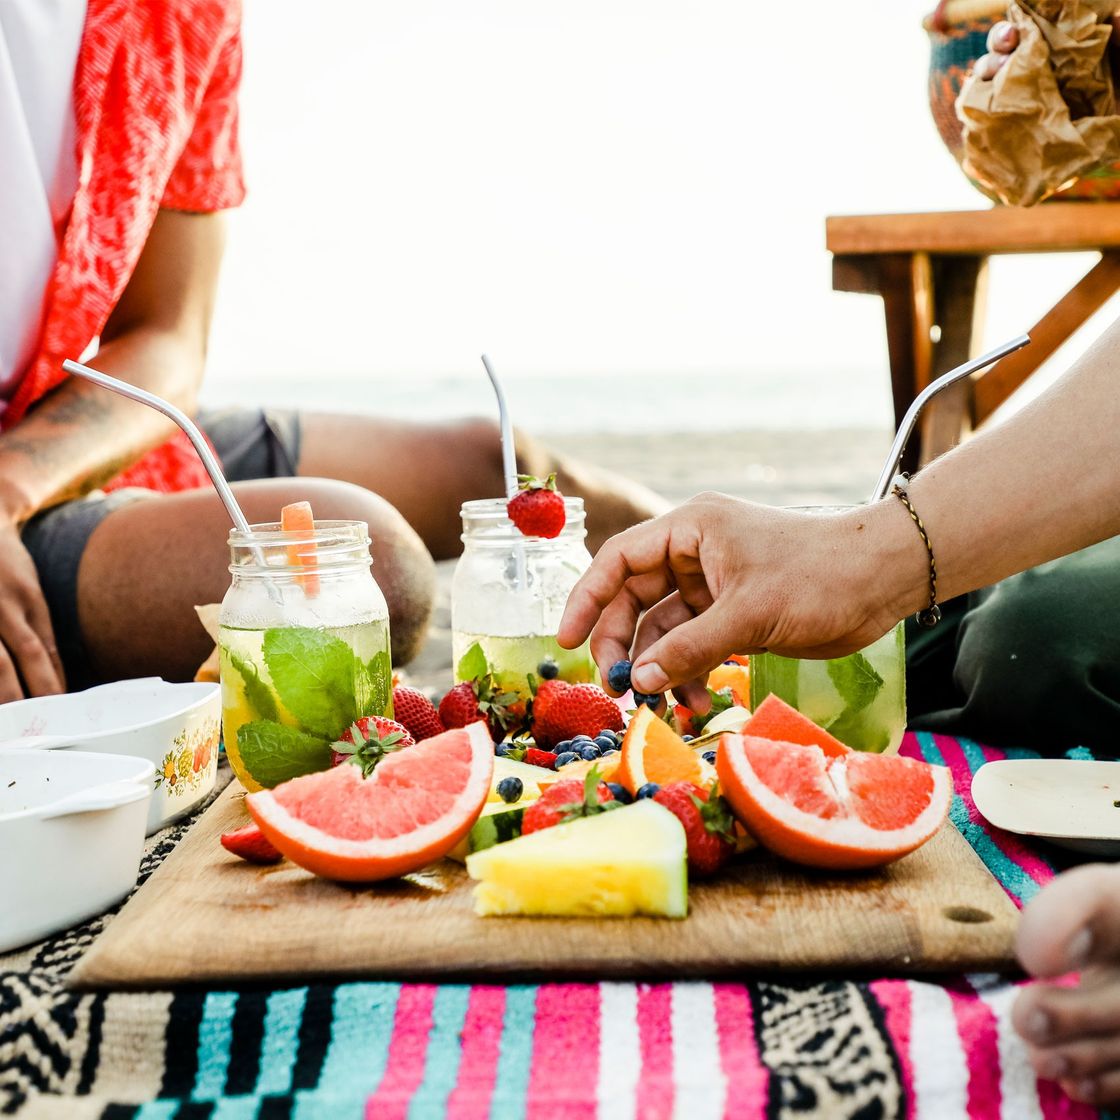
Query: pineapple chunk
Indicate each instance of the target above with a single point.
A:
(627, 861)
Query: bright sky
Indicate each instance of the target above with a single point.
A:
(619, 186)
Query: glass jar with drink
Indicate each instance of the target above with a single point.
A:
(303, 647)
(860, 699)
(507, 596)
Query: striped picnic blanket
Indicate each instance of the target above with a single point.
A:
(834, 1049)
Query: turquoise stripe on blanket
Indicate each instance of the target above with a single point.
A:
(515, 1057)
(445, 1047)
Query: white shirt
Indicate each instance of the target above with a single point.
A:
(39, 41)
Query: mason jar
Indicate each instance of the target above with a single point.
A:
(859, 699)
(303, 647)
(508, 595)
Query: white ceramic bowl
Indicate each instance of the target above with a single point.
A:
(176, 727)
(71, 837)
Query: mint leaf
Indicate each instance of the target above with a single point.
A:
(273, 753)
(375, 685)
(854, 730)
(856, 681)
(316, 676)
(473, 665)
(257, 694)
(773, 674)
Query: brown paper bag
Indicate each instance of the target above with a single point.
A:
(1049, 114)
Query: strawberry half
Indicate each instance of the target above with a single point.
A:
(568, 800)
(537, 509)
(368, 740)
(709, 827)
(562, 711)
(416, 713)
(249, 843)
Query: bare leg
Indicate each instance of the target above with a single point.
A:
(427, 471)
(148, 563)
(1073, 1034)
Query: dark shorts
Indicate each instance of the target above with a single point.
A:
(251, 443)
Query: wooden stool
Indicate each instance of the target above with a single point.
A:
(931, 270)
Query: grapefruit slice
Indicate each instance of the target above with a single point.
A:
(846, 811)
(653, 752)
(296, 518)
(775, 719)
(414, 808)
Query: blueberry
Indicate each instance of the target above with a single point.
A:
(582, 740)
(688, 738)
(606, 742)
(618, 676)
(510, 790)
(560, 748)
(589, 752)
(565, 758)
(648, 790)
(501, 749)
(609, 750)
(709, 756)
(609, 734)
(621, 793)
(548, 670)
(651, 699)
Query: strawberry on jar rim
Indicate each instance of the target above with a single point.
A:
(537, 509)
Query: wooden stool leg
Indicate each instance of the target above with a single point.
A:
(959, 303)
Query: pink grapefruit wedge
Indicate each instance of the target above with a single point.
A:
(413, 809)
(846, 811)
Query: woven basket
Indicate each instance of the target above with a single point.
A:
(958, 34)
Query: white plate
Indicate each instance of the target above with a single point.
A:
(1071, 802)
(175, 727)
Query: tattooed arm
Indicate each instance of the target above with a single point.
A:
(80, 436)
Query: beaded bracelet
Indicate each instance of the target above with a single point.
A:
(928, 616)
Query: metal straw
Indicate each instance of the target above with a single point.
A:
(890, 468)
(509, 460)
(209, 461)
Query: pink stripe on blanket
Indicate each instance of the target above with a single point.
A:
(404, 1069)
(748, 1080)
(1008, 843)
(478, 1066)
(655, 1040)
(893, 997)
(979, 1035)
(564, 1076)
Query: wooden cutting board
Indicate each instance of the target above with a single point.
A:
(205, 916)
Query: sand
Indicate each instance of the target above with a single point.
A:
(778, 468)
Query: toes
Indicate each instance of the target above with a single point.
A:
(1049, 1017)
(1074, 1061)
(1074, 922)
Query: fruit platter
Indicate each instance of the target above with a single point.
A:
(536, 822)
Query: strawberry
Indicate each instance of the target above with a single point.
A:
(416, 713)
(709, 827)
(562, 711)
(681, 719)
(367, 741)
(537, 509)
(249, 843)
(470, 701)
(567, 800)
(535, 757)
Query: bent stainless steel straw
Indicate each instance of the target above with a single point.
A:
(182, 419)
(890, 468)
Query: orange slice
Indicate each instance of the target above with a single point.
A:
(653, 752)
(296, 518)
(846, 811)
(735, 677)
(415, 807)
(775, 719)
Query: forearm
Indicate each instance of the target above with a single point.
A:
(1044, 483)
(82, 435)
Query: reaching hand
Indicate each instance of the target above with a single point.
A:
(29, 661)
(720, 576)
(1003, 40)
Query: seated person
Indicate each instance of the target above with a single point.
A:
(118, 152)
